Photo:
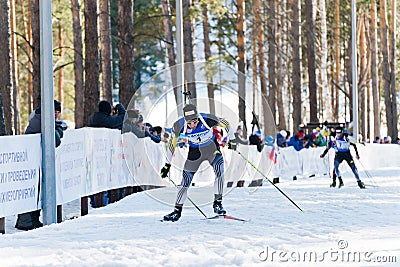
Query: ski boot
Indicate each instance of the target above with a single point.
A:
(175, 215)
(333, 184)
(361, 184)
(218, 209)
(340, 182)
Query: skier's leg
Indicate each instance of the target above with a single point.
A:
(181, 196)
(337, 161)
(333, 179)
(336, 164)
(187, 178)
(218, 166)
(353, 167)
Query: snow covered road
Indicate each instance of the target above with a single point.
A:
(340, 227)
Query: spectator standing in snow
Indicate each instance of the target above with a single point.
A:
(112, 118)
(341, 145)
(30, 220)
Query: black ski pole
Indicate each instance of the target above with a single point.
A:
(205, 216)
(252, 164)
(368, 174)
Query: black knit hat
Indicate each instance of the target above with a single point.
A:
(105, 106)
(57, 106)
(190, 112)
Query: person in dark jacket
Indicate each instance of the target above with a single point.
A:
(134, 123)
(104, 117)
(281, 138)
(239, 138)
(30, 220)
(256, 139)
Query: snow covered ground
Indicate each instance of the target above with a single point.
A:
(340, 227)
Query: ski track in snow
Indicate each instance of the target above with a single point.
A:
(129, 233)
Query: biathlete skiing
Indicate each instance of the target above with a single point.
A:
(199, 132)
(341, 145)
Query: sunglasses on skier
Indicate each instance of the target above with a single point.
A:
(194, 121)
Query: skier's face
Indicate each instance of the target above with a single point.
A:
(192, 124)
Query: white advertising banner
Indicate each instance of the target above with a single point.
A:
(71, 166)
(98, 155)
(20, 169)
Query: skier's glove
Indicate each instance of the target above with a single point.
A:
(165, 170)
(232, 145)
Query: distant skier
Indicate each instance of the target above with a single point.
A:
(341, 144)
(198, 130)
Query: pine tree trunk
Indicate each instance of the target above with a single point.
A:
(188, 49)
(385, 65)
(5, 74)
(125, 46)
(393, 132)
(335, 91)
(296, 65)
(106, 56)
(61, 70)
(28, 36)
(312, 81)
(361, 87)
(271, 59)
(36, 86)
(240, 28)
(6, 115)
(281, 71)
(254, 70)
(169, 43)
(14, 69)
(207, 54)
(91, 60)
(374, 70)
(261, 55)
(78, 65)
(348, 68)
(324, 61)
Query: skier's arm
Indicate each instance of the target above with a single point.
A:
(171, 149)
(326, 150)
(355, 149)
(176, 130)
